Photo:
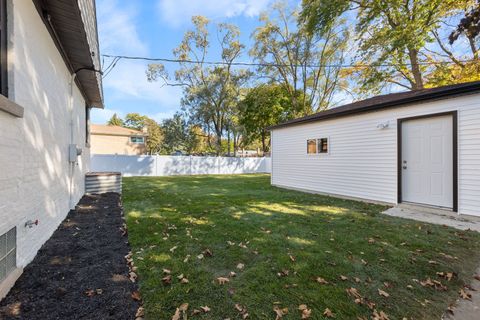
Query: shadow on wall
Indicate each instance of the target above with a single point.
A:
(177, 165)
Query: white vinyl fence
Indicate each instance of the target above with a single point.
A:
(177, 165)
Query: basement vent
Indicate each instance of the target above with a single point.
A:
(8, 253)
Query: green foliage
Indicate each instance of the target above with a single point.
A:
(291, 56)
(141, 122)
(243, 219)
(264, 106)
(115, 120)
(392, 35)
(210, 93)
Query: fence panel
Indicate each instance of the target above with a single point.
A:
(177, 165)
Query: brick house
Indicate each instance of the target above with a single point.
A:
(107, 139)
(49, 79)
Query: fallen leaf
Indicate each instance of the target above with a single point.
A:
(176, 315)
(280, 312)
(321, 280)
(200, 256)
(222, 280)
(383, 293)
(140, 312)
(328, 313)
(292, 258)
(172, 249)
(379, 315)
(167, 279)
(184, 281)
(90, 293)
(207, 253)
(166, 271)
(357, 280)
(205, 309)
(240, 266)
(136, 296)
(465, 295)
(343, 278)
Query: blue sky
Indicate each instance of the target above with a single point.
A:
(154, 28)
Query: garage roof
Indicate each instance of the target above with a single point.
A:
(386, 101)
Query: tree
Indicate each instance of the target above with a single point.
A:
(210, 92)
(115, 121)
(299, 60)
(175, 134)
(135, 121)
(469, 26)
(264, 106)
(391, 34)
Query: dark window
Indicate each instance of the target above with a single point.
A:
(311, 146)
(3, 48)
(138, 140)
(323, 145)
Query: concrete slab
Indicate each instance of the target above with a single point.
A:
(435, 216)
(463, 309)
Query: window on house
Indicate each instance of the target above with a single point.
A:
(322, 145)
(311, 146)
(3, 48)
(8, 253)
(137, 139)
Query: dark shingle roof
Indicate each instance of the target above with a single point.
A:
(386, 101)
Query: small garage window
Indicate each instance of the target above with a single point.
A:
(8, 253)
(311, 146)
(322, 145)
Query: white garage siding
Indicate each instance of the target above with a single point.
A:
(362, 159)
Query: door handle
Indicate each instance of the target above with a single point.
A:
(404, 164)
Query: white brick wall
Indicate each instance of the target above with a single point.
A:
(34, 167)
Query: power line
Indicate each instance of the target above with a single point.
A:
(256, 64)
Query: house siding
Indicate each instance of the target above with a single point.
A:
(34, 174)
(362, 159)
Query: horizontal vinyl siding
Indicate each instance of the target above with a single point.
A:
(362, 159)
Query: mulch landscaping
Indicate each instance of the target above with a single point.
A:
(81, 272)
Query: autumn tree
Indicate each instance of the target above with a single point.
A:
(392, 35)
(209, 91)
(298, 60)
(115, 120)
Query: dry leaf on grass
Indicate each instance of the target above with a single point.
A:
(222, 280)
(280, 312)
(357, 280)
(343, 278)
(328, 313)
(306, 313)
(167, 279)
(205, 309)
(240, 266)
(383, 293)
(166, 271)
(140, 312)
(207, 253)
(379, 315)
(292, 258)
(321, 280)
(184, 281)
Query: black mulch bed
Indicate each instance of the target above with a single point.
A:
(81, 271)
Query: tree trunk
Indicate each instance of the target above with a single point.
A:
(417, 74)
(263, 141)
(228, 143)
(234, 144)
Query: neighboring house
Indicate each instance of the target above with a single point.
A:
(107, 139)
(420, 147)
(48, 81)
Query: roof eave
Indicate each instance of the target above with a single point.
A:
(428, 96)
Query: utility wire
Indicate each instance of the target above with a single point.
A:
(256, 64)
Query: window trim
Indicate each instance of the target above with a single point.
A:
(317, 150)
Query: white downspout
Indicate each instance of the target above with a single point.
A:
(71, 163)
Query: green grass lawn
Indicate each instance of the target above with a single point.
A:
(285, 240)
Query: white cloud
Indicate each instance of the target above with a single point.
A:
(179, 12)
(117, 28)
(101, 116)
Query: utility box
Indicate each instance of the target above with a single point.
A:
(73, 153)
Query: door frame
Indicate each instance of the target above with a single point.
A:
(454, 115)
